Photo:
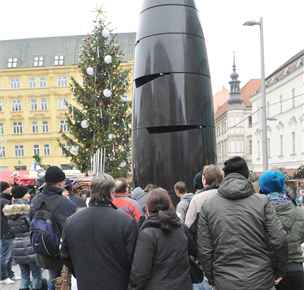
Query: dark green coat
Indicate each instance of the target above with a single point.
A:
(292, 219)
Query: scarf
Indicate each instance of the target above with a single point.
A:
(278, 197)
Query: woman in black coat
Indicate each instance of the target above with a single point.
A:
(161, 259)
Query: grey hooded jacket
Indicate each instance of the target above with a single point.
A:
(182, 206)
(241, 242)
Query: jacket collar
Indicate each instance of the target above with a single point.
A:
(102, 203)
(51, 190)
(170, 222)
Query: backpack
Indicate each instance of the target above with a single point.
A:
(45, 234)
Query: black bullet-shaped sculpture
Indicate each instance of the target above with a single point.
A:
(173, 119)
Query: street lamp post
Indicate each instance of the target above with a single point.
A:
(263, 91)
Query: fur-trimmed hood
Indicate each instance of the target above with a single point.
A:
(16, 209)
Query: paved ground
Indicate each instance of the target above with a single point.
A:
(17, 284)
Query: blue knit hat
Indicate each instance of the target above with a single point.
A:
(272, 181)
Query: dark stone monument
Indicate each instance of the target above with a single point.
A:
(173, 119)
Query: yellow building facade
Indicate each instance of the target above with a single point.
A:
(34, 90)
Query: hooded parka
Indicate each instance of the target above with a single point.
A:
(241, 242)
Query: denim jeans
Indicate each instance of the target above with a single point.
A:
(26, 270)
(52, 279)
(5, 259)
(202, 286)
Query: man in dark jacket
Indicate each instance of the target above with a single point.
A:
(6, 236)
(241, 242)
(60, 207)
(98, 242)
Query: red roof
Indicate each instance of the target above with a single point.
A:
(220, 98)
(249, 90)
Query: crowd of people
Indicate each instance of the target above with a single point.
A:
(223, 236)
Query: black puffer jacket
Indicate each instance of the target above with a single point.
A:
(5, 232)
(161, 259)
(18, 215)
(241, 241)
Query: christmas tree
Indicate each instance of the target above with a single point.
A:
(99, 117)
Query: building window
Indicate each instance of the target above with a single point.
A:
(293, 94)
(47, 150)
(19, 150)
(34, 105)
(12, 62)
(2, 151)
(59, 60)
(44, 104)
(32, 83)
(17, 128)
(293, 138)
(250, 122)
(281, 104)
(15, 84)
(43, 82)
(258, 149)
(62, 82)
(1, 106)
(267, 110)
(281, 146)
(38, 61)
(62, 104)
(16, 107)
(1, 129)
(64, 126)
(36, 150)
(45, 127)
(250, 147)
(35, 128)
(268, 147)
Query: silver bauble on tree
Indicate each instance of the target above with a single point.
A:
(108, 59)
(84, 124)
(105, 33)
(90, 71)
(107, 93)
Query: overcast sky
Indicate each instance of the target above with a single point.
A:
(221, 19)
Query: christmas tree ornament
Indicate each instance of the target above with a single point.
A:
(90, 71)
(84, 124)
(108, 59)
(111, 136)
(107, 93)
(123, 164)
(125, 99)
(105, 33)
(74, 150)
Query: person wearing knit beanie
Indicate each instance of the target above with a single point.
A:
(54, 175)
(272, 181)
